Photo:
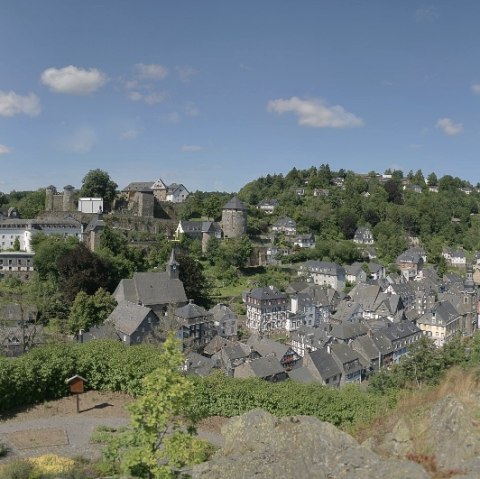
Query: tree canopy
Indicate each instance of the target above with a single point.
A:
(97, 183)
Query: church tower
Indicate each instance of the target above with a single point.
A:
(173, 266)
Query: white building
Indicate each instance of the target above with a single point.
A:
(24, 230)
(90, 205)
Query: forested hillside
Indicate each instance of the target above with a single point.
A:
(444, 213)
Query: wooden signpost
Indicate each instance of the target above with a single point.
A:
(77, 387)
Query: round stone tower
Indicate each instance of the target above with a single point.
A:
(68, 198)
(49, 194)
(234, 218)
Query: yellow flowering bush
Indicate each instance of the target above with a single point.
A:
(51, 464)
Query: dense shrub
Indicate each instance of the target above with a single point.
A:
(41, 374)
(224, 396)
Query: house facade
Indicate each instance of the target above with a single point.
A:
(286, 225)
(324, 273)
(267, 309)
(13, 228)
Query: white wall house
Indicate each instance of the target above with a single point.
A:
(90, 205)
(24, 230)
(177, 193)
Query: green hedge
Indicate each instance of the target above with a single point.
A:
(110, 366)
(106, 365)
(224, 396)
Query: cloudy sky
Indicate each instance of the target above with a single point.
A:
(213, 94)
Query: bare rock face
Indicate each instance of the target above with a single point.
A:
(260, 445)
(397, 443)
(453, 437)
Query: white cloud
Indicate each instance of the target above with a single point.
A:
(73, 80)
(135, 96)
(476, 88)
(154, 98)
(426, 14)
(131, 134)
(191, 110)
(4, 150)
(173, 117)
(185, 73)
(151, 71)
(12, 104)
(82, 141)
(150, 98)
(191, 148)
(315, 113)
(449, 127)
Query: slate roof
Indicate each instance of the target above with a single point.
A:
(215, 345)
(302, 375)
(235, 204)
(127, 316)
(444, 312)
(198, 226)
(96, 223)
(151, 289)
(140, 186)
(324, 364)
(199, 365)
(261, 368)
(347, 309)
(400, 330)
(285, 223)
(367, 346)
(269, 292)
(346, 330)
(221, 311)
(266, 347)
(236, 350)
(354, 269)
(346, 357)
(192, 313)
(365, 294)
(325, 267)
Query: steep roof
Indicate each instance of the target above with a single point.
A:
(235, 204)
(128, 316)
(269, 292)
(266, 347)
(324, 363)
(191, 311)
(261, 368)
(151, 289)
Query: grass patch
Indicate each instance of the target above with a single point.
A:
(104, 434)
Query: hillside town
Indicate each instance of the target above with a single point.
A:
(331, 323)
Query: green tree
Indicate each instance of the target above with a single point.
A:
(16, 245)
(97, 183)
(194, 281)
(88, 310)
(47, 251)
(162, 438)
(82, 270)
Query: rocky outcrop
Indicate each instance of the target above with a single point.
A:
(454, 437)
(260, 445)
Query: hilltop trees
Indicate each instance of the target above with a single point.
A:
(97, 183)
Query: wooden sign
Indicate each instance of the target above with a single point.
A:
(77, 384)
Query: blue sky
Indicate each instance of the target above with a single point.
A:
(213, 94)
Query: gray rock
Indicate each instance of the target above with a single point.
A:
(260, 445)
(453, 437)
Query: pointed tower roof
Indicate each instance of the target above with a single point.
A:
(235, 204)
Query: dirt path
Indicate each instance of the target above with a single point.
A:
(56, 427)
